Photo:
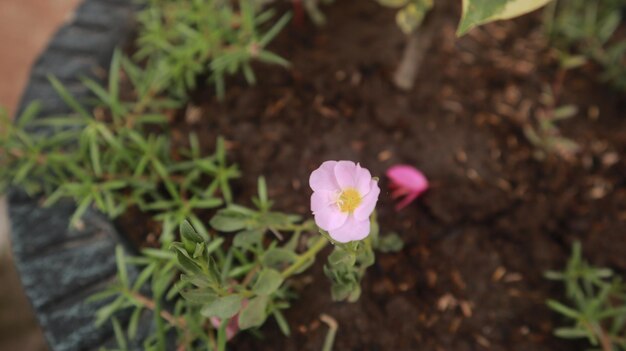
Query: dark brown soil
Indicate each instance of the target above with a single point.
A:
(495, 218)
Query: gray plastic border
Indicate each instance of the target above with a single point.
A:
(60, 267)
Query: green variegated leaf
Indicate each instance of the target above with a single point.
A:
(477, 12)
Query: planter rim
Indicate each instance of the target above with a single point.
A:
(59, 266)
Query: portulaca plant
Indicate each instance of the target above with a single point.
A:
(240, 272)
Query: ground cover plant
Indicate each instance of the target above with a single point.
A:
(187, 39)
(225, 250)
(586, 31)
(598, 310)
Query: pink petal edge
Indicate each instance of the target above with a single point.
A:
(368, 203)
(324, 178)
(352, 230)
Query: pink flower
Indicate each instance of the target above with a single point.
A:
(344, 197)
(406, 181)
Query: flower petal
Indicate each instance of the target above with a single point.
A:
(322, 199)
(406, 201)
(368, 203)
(352, 230)
(363, 180)
(330, 218)
(408, 177)
(345, 173)
(323, 178)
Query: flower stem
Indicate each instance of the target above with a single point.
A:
(152, 305)
(329, 341)
(417, 44)
(305, 257)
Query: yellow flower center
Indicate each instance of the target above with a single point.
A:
(349, 200)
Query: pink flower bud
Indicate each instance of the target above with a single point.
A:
(406, 181)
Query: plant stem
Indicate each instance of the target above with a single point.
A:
(151, 305)
(329, 341)
(305, 257)
(416, 45)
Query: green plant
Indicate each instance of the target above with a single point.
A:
(211, 281)
(410, 13)
(117, 156)
(186, 39)
(233, 279)
(596, 304)
(544, 133)
(586, 30)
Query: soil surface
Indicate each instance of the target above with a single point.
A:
(495, 218)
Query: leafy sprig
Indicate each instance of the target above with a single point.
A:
(596, 303)
(115, 154)
(242, 281)
(584, 31)
(185, 39)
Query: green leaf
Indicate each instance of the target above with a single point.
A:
(105, 312)
(30, 112)
(269, 281)
(214, 245)
(276, 28)
(223, 307)
(282, 322)
(270, 57)
(187, 232)
(143, 277)
(199, 296)
(340, 257)
(120, 258)
(101, 295)
(571, 333)
(206, 203)
(80, 211)
(277, 257)
(119, 335)
(343, 291)
(552, 275)
(254, 314)
(477, 12)
(114, 74)
(262, 190)
(248, 238)
(228, 221)
(390, 243)
(134, 323)
(200, 281)
(187, 263)
(158, 253)
(566, 311)
(68, 98)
